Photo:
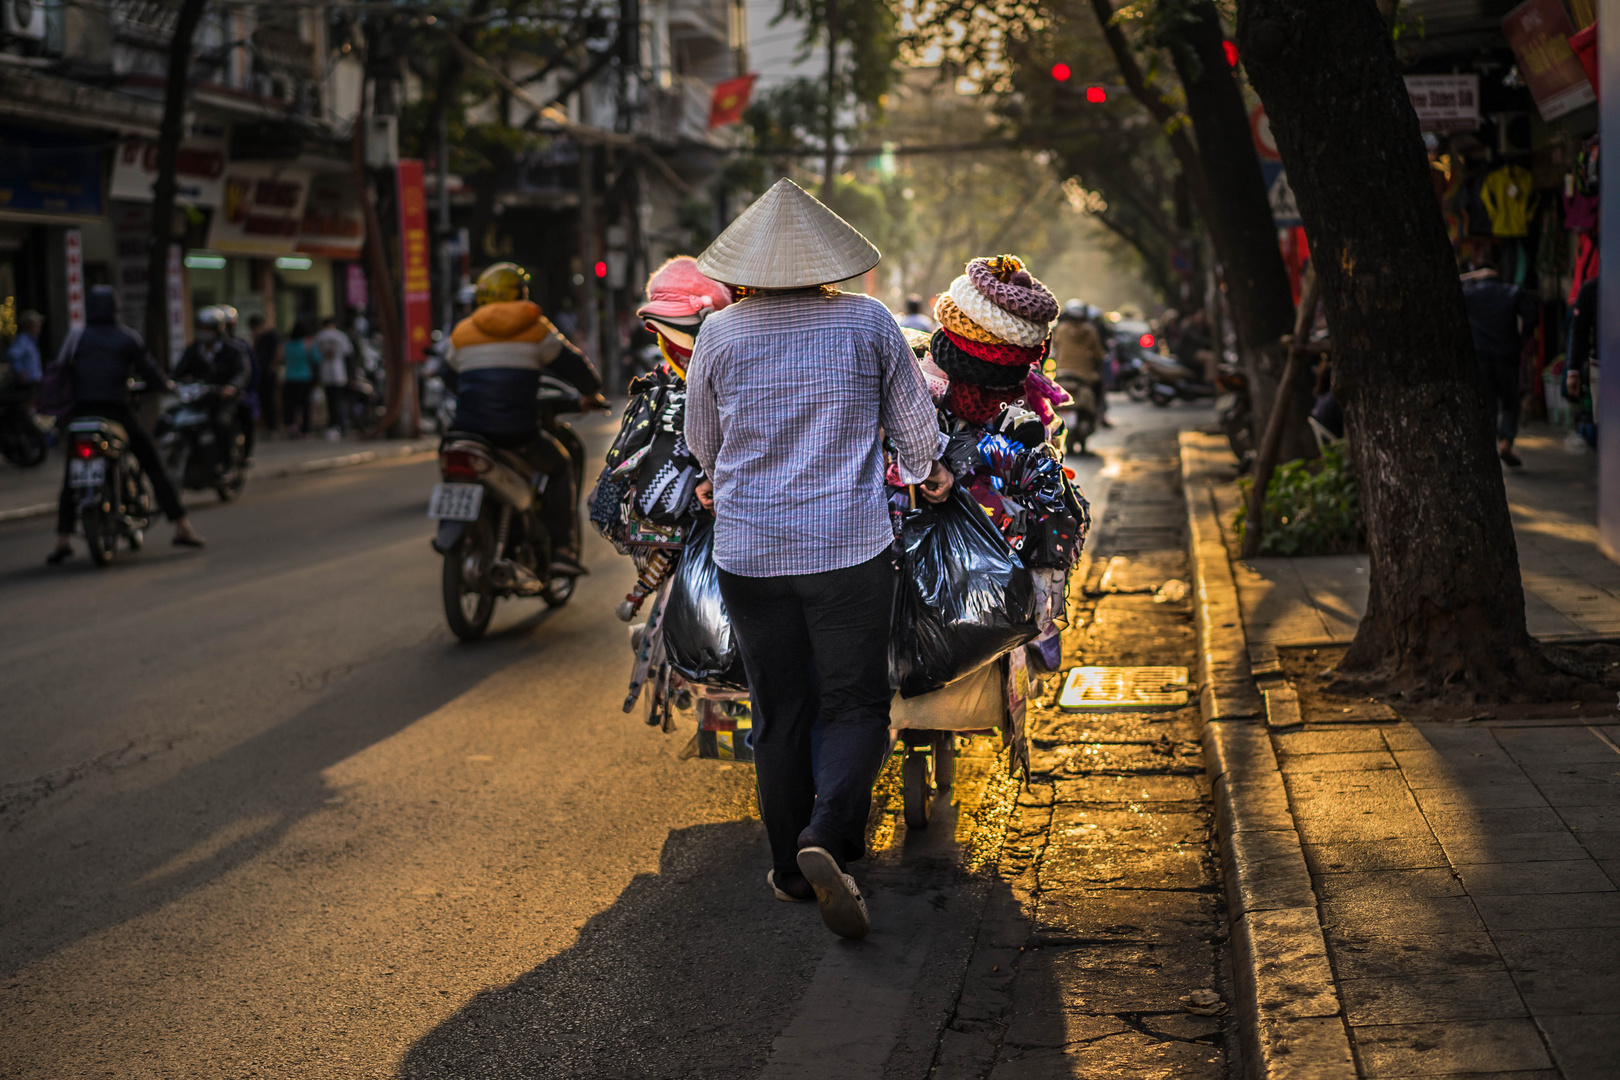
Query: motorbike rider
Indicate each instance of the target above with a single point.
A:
(498, 353)
(1077, 352)
(247, 409)
(102, 358)
(212, 358)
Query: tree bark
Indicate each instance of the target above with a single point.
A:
(1446, 606)
(1261, 301)
(170, 132)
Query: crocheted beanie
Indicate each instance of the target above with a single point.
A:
(980, 404)
(950, 316)
(997, 352)
(1004, 282)
(1010, 328)
(962, 366)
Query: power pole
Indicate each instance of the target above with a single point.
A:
(170, 132)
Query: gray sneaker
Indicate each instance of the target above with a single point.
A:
(842, 908)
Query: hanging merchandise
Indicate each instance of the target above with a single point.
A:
(963, 600)
(697, 630)
(1508, 194)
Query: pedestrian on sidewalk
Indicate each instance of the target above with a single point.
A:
(788, 391)
(23, 353)
(1499, 314)
(298, 380)
(267, 349)
(101, 359)
(334, 348)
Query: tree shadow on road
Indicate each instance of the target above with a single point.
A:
(80, 861)
(691, 973)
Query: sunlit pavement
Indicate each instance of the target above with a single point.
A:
(263, 816)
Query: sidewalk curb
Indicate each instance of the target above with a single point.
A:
(342, 461)
(1290, 1020)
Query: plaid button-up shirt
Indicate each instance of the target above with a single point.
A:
(785, 397)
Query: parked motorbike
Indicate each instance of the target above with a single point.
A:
(1079, 418)
(108, 485)
(24, 435)
(1171, 380)
(190, 440)
(491, 534)
(1235, 412)
(1130, 349)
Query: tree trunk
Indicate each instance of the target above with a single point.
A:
(1446, 605)
(170, 132)
(1262, 303)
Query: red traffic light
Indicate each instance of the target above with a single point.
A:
(1096, 94)
(1230, 49)
(1146, 341)
(601, 269)
(1061, 72)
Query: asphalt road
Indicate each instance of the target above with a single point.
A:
(261, 815)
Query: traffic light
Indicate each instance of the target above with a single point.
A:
(1061, 72)
(1096, 94)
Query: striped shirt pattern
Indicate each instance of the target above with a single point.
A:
(786, 394)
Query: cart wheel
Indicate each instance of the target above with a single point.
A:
(919, 793)
(945, 761)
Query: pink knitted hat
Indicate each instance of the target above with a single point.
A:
(678, 289)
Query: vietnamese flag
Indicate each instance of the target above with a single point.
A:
(730, 99)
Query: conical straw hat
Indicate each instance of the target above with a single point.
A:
(788, 240)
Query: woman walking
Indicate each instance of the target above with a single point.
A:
(789, 392)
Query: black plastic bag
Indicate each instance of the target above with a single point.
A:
(697, 631)
(964, 597)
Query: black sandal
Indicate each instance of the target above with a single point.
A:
(59, 556)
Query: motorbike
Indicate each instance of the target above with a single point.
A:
(1171, 380)
(1079, 418)
(108, 485)
(1130, 344)
(24, 435)
(491, 534)
(189, 438)
(1235, 411)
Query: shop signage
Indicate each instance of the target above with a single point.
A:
(199, 172)
(333, 225)
(1539, 32)
(413, 255)
(1445, 102)
(43, 172)
(260, 211)
(1260, 129)
(75, 277)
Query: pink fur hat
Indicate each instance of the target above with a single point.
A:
(679, 290)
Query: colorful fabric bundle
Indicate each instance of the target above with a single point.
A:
(1010, 328)
(998, 352)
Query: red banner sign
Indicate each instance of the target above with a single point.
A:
(413, 255)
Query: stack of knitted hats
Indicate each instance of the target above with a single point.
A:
(992, 336)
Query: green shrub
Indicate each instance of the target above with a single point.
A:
(1312, 507)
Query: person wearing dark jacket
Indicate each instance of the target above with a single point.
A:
(1498, 315)
(216, 358)
(101, 360)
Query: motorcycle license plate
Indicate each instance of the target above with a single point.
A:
(87, 472)
(456, 502)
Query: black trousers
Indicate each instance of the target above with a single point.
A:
(1500, 378)
(295, 398)
(816, 647)
(145, 451)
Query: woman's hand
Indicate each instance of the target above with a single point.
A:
(938, 484)
(705, 493)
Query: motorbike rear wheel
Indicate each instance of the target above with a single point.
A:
(467, 610)
(1161, 400)
(25, 446)
(559, 590)
(1139, 387)
(100, 534)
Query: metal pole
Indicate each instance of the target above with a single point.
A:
(831, 158)
(588, 255)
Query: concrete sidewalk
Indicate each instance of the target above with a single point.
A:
(1572, 590)
(32, 493)
(1463, 875)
